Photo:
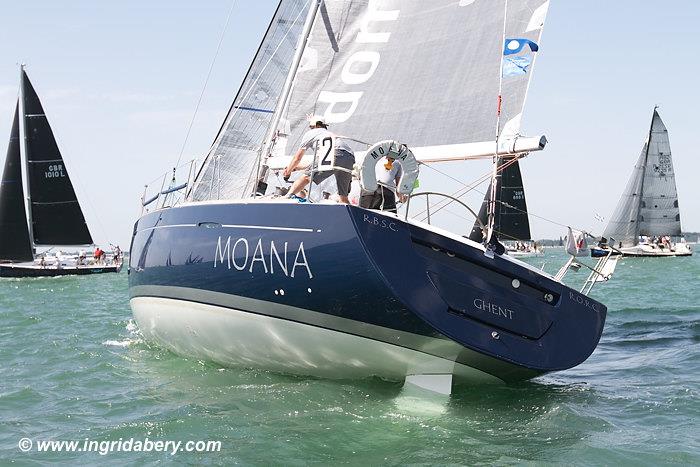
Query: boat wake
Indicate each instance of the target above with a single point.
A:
(135, 336)
(124, 343)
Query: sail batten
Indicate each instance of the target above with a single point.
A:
(15, 244)
(56, 216)
(649, 204)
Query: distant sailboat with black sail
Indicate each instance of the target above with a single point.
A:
(647, 219)
(52, 217)
(235, 274)
(511, 221)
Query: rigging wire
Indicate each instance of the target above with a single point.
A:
(206, 81)
(467, 188)
(472, 187)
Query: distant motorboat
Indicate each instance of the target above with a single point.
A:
(647, 217)
(53, 216)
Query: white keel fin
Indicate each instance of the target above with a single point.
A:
(439, 384)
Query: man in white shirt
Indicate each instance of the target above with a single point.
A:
(388, 174)
(330, 151)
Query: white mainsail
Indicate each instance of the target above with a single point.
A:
(426, 74)
(659, 213)
(649, 204)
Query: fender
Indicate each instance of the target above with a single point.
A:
(391, 150)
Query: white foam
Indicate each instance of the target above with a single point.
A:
(131, 326)
(125, 343)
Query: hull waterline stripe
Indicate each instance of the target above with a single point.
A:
(267, 227)
(234, 226)
(167, 226)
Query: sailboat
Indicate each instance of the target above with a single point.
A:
(511, 219)
(239, 276)
(53, 216)
(647, 217)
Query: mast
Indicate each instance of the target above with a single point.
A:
(494, 169)
(286, 90)
(644, 173)
(23, 136)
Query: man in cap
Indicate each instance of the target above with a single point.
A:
(332, 151)
(388, 174)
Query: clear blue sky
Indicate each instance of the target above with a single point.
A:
(120, 80)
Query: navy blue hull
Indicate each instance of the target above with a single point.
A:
(367, 268)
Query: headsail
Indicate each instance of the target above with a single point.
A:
(15, 244)
(232, 158)
(623, 225)
(425, 74)
(56, 215)
(511, 219)
(649, 204)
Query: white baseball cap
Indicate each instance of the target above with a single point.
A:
(316, 119)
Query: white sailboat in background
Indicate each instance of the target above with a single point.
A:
(647, 220)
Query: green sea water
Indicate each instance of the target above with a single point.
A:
(73, 366)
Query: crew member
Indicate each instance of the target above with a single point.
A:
(326, 144)
(388, 175)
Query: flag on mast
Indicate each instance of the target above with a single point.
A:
(517, 56)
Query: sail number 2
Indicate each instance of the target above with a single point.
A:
(55, 171)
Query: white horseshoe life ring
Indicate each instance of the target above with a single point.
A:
(391, 150)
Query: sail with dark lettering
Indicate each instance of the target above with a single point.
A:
(15, 244)
(510, 212)
(649, 204)
(231, 161)
(57, 218)
(376, 70)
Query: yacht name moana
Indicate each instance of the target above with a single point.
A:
(267, 257)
